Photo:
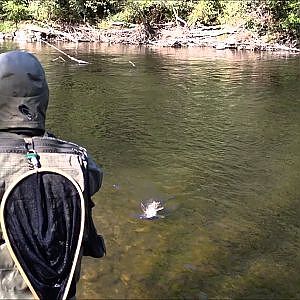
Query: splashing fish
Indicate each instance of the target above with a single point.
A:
(150, 209)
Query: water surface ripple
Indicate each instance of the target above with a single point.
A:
(215, 134)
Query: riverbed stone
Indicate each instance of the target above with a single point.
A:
(9, 36)
(20, 35)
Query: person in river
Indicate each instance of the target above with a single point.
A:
(46, 186)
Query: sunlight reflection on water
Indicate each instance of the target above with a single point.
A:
(218, 132)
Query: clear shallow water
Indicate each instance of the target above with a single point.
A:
(213, 133)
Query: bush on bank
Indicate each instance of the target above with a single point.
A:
(278, 17)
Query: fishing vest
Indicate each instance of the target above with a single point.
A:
(42, 185)
(18, 156)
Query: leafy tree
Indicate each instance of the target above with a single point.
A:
(274, 16)
(233, 12)
(82, 11)
(43, 10)
(206, 12)
(286, 16)
(153, 11)
(15, 10)
(262, 16)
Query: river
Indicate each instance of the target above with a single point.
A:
(213, 134)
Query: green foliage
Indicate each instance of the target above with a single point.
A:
(263, 16)
(7, 26)
(104, 24)
(269, 16)
(286, 16)
(43, 10)
(123, 16)
(153, 11)
(233, 12)
(145, 11)
(90, 10)
(15, 10)
(74, 11)
(205, 12)
(292, 20)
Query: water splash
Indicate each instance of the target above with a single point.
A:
(150, 209)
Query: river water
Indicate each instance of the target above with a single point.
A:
(215, 135)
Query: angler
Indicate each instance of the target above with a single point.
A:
(46, 186)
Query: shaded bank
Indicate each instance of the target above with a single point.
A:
(161, 35)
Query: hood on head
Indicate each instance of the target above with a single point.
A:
(24, 91)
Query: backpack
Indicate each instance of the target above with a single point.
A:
(45, 215)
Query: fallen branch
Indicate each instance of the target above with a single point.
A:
(178, 18)
(66, 35)
(69, 56)
(61, 58)
(286, 48)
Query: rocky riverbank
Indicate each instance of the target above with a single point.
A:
(159, 35)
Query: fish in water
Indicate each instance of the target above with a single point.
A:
(150, 209)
